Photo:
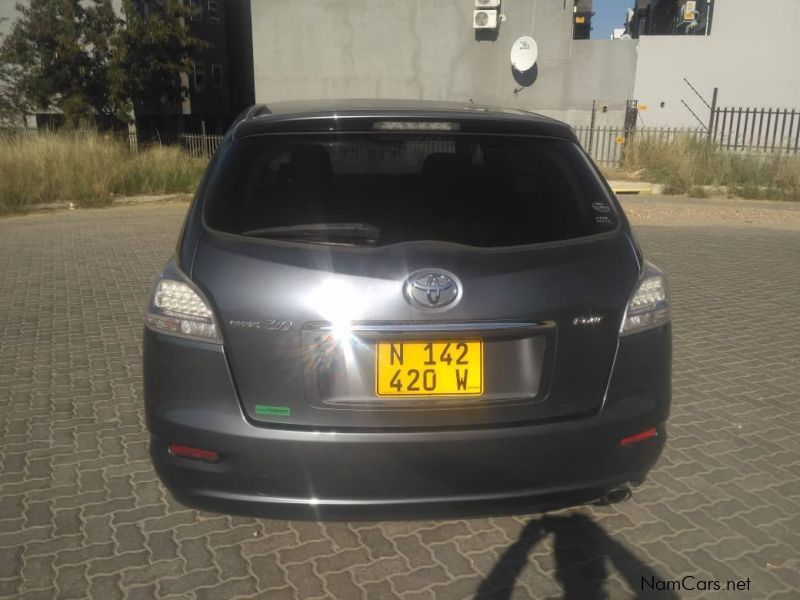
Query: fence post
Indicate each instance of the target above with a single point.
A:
(631, 118)
(752, 131)
(713, 111)
(789, 133)
(766, 130)
(783, 127)
(797, 138)
(591, 126)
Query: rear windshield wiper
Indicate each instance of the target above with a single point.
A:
(322, 233)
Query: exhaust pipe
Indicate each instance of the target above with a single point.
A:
(615, 495)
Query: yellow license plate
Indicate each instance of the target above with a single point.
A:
(445, 368)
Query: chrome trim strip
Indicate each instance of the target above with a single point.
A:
(499, 328)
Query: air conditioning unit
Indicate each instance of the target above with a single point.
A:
(487, 3)
(484, 19)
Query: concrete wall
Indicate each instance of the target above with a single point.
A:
(428, 49)
(752, 56)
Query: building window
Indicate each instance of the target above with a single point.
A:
(216, 76)
(213, 11)
(199, 77)
(197, 9)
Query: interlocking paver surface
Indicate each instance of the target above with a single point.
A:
(82, 513)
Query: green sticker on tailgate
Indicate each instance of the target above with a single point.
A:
(275, 411)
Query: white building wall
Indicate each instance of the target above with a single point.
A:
(427, 49)
(752, 56)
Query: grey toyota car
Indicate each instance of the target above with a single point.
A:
(398, 309)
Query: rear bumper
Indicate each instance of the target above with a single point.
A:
(303, 474)
(294, 473)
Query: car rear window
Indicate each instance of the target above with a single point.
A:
(379, 189)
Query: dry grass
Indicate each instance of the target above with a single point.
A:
(690, 166)
(87, 169)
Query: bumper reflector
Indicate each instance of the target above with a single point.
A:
(195, 453)
(643, 436)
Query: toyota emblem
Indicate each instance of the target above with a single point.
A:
(432, 289)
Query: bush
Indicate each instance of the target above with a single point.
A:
(686, 163)
(160, 169)
(698, 191)
(88, 169)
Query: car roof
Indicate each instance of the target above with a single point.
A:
(359, 115)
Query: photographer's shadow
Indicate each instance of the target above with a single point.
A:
(582, 550)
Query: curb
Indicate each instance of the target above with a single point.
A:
(128, 200)
(123, 201)
(632, 190)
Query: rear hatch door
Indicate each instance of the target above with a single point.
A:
(406, 282)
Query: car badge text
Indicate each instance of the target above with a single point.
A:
(266, 325)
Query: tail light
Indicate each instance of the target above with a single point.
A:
(649, 305)
(178, 308)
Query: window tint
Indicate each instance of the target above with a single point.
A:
(476, 190)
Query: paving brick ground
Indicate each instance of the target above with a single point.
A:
(82, 513)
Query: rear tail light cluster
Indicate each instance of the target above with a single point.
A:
(178, 308)
(649, 305)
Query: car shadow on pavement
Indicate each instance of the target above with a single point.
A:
(582, 549)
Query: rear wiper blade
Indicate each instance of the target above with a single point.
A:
(320, 231)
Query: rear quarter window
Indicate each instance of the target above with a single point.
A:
(484, 191)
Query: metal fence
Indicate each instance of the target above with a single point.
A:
(201, 146)
(759, 131)
(606, 145)
(197, 145)
(756, 129)
(133, 142)
(17, 132)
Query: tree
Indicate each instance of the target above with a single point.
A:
(79, 58)
(154, 49)
(47, 57)
(101, 36)
(12, 112)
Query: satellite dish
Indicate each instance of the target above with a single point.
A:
(524, 53)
